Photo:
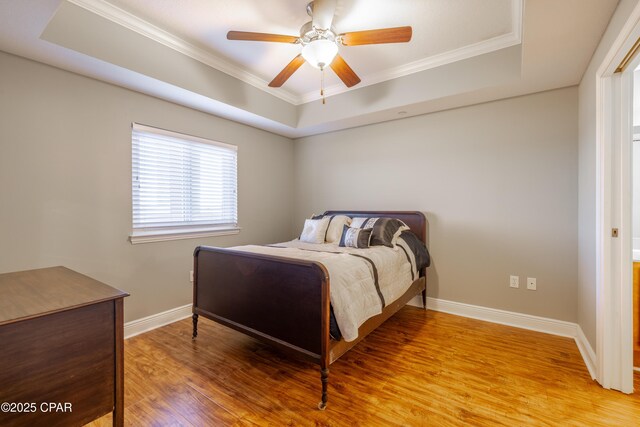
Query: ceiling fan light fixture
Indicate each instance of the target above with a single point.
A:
(320, 52)
(320, 41)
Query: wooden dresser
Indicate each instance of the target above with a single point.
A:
(61, 349)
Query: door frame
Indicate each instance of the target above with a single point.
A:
(614, 112)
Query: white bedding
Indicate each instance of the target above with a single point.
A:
(354, 295)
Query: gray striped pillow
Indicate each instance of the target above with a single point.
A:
(355, 237)
(385, 231)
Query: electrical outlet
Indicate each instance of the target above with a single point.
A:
(531, 283)
(191, 276)
(514, 281)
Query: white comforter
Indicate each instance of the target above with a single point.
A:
(354, 295)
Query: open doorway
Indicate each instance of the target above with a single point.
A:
(635, 214)
(614, 229)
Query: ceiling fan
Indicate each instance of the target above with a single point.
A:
(320, 43)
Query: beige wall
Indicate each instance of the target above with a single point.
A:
(65, 182)
(497, 181)
(587, 177)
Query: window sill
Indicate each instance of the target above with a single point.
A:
(138, 237)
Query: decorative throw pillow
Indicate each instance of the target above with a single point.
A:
(385, 231)
(334, 231)
(355, 237)
(314, 230)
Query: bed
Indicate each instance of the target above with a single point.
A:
(285, 301)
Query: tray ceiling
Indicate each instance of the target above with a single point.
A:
(443, 31)
(462, 52)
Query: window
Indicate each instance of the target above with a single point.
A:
(182, 186)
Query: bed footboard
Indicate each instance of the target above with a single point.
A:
(280, 300)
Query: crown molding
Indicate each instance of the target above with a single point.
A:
(470, 51)
(142, 27)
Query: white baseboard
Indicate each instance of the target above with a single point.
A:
(503, 317)
(139, 326)
(519, 320)
(586, 351)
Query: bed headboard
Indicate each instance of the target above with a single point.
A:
(415, 220)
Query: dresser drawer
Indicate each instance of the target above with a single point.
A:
(64, 357)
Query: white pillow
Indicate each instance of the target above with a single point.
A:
(314, 230)
(336, 223)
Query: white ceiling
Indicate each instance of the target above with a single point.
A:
(439, 26)
(462, 52)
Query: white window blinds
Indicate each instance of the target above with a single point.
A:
(181, 181)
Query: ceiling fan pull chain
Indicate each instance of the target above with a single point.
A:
(322, 84)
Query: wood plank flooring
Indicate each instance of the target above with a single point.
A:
(421, 368)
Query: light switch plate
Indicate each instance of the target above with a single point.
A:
(514, 281)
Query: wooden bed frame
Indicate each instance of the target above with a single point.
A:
(283, 301)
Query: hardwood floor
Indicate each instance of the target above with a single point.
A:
(419, 368)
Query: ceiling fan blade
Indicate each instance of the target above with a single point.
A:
(260, 37)
(323, 11)
(346, 74)
(287, 71)
(383, 35)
